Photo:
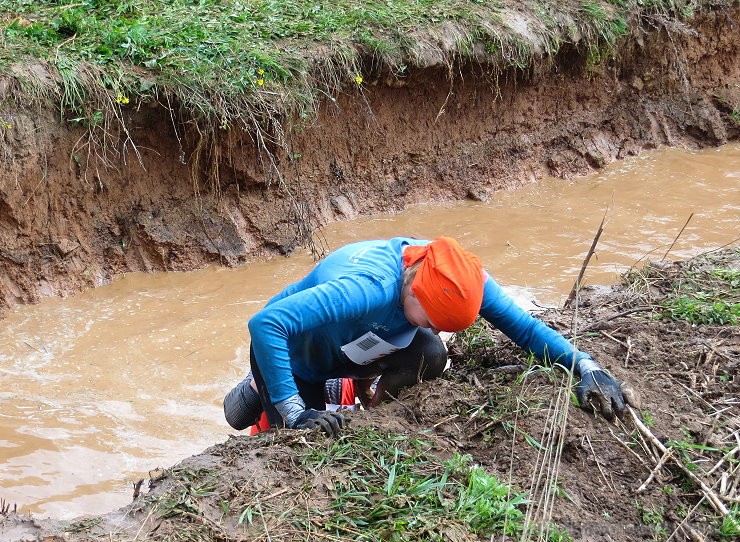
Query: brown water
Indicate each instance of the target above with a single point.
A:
(103, 387)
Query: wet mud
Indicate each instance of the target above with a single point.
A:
(497, 406)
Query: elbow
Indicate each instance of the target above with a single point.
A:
(265, 324)
(255, 324)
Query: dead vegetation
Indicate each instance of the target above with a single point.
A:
(495, 449)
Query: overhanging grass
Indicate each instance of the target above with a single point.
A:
(237, 62)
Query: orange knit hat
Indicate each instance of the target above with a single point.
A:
(448, 283)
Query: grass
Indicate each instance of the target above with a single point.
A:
(244, 63)
(702, 290)
(729, 528)
(507, 409)
(392, 488)
(654, 518)
(705, 295)
(367, 485)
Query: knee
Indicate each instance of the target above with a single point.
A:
(433, 356)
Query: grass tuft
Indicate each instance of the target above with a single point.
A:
(702, 290)
(390, 487)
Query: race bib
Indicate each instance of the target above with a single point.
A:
(370, 347)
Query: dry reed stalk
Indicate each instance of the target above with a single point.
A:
(711, 496)
(577, 284)
(677, 236)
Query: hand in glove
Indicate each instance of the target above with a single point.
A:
(328, 421)
(600, 391)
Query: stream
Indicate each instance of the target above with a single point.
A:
(101, 388)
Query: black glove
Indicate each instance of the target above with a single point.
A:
(328, 421)
(598, 390)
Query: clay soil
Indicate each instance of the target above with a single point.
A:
(79, 205)
(493, 405)
(77, 209)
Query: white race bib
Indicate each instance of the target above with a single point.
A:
(370, 347)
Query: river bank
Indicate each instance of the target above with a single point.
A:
(142, 189)
(110, 172)
(669, 330)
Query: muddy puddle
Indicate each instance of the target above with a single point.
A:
(100, 388)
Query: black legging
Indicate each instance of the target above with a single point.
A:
(423, 359)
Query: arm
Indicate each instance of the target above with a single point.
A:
(528, 332)
(596, 389)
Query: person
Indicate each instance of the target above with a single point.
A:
(374, 309)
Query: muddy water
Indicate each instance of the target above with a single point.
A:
(99, 389)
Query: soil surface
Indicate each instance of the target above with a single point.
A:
(496, 406)
(80, 205)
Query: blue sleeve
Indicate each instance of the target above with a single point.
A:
(339, 300)
(525, 330)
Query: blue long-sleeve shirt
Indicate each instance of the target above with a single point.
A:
(357, 289)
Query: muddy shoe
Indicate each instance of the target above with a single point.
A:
(242, 405)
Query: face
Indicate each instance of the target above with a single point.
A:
(415, 313)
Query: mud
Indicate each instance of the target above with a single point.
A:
(497, 407)
(81, 205)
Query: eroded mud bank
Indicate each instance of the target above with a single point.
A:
(76, 210)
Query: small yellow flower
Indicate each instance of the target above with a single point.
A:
(121, 99)
(260, 72)
(358, 79)
(260, 82)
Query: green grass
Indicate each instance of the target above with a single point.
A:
(705, 295)
(366, 485)
(391, 488)
(729, 529)
(238, 63)
(702, 290)
(654, 518)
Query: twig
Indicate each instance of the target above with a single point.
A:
(691, 533)
(605, 334)
(720, 354)
(31, 347)
(656, 470)
(596, 325)
(472, 417)
(264, 523)
(648, 450)
(629, 351)
(445, 420)
(596, 459)
(482, 429)
(685, 519)
(630, 450)
(405, 406)
(590, 253)
(711, 496)
(677, 236)
(724, 458)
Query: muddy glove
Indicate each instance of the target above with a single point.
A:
(297, 416)
(328, 421)
(598, 390)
